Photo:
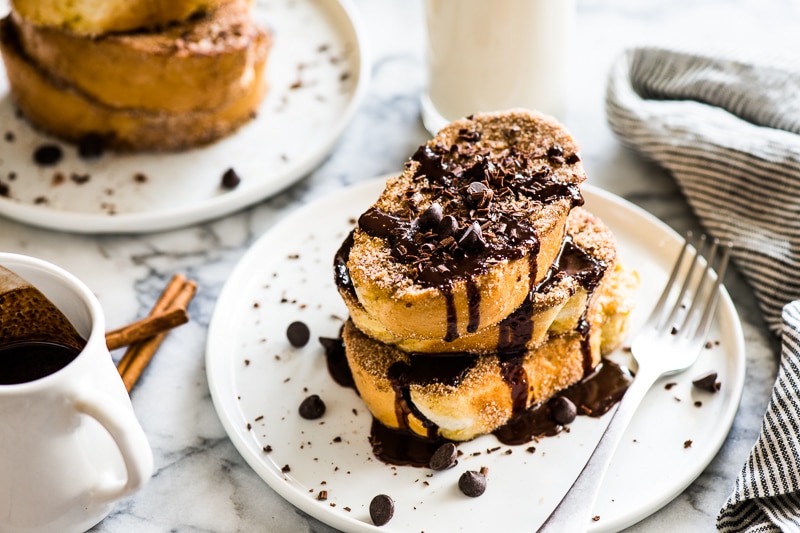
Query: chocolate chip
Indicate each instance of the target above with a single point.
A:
(447, 227)
(91, 145)
(472, 239)
(298, 334)
(573, 158)
(472, 483)
(476, 187)
(479, 194)
(563, 410)
(48, 154)
(230, 179)
(707, 381)
(431, 217)
(469, 135)
(444, 457)
(556, 154)
(381, 509)
(312, 407)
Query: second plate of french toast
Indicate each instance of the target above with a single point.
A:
(125, 120)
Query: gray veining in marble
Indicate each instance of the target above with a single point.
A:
(201, 484)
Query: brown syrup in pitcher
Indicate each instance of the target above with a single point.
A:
(31, 360)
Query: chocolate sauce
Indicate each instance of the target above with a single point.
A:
(598, 392)
(481, 196)
(593, 396)
(400, 447)
(587, 271)
(22, 362)
(516, 377)
(341, 275)
(337, 361)
(474, 305)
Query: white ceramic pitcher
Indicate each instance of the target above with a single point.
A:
(70, 445)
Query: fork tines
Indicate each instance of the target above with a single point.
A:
(702, 267)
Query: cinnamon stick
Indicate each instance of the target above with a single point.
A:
(146, 327)
(177, 295)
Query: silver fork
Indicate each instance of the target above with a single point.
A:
(665, 345)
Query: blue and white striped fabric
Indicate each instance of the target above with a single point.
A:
(766, 496)
(728, 130)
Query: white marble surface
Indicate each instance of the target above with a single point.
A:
(201, 483)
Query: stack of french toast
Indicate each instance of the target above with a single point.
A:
(478, 286)
(137, 75)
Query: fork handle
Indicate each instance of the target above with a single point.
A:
(574, 511)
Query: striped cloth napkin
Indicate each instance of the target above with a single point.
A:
(728, 129)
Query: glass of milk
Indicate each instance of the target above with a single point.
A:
(491, 55)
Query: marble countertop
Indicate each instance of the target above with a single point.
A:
(201, 483)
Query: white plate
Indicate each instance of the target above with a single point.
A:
(318, 43)
(258, 380)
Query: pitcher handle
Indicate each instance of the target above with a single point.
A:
(129, 437)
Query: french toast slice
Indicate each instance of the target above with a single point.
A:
(199, 64)
(460, 396)
(97, 17)
(61, 109)
(553, 307)
(459, 239)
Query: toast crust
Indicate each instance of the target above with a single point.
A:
(97, 17)
(200, 64)
(63, 110)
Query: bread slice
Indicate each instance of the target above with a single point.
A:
(98, 17)
(457, 241)
(556, 305)
(461, 396)
(200, 64)
(63, 110)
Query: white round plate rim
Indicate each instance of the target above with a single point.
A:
(220, 205)
(222, 379)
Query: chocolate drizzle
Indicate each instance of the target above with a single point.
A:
(516, 377)
(480, 216)
(593, 396)
(587, 270)
(341, 275)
